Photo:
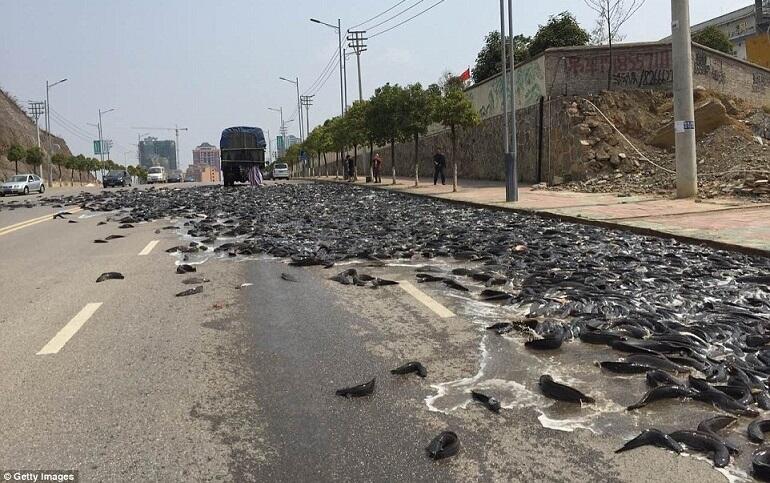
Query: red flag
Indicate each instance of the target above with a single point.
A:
(465, 75)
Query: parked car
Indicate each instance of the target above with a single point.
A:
(175, 178)
(157, 174)
(189, 179)
(280, 171)
(22, 184)
(116, 178)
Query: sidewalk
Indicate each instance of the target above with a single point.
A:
(725, 223)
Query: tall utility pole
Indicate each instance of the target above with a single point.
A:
(48, 128)
(512, 161)
(684, 108)
(101, 135)
(307, 101)
(357, 42)
(37, 109)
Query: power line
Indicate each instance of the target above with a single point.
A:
(331, 64)
(378, 15)
(407, 20)
(64, 120)
(397, 15)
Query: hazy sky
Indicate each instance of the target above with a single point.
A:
(207, 65)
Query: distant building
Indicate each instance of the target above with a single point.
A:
(747, 29)
(154, 152)
(282, 146)
(207, 154)
(205, 173)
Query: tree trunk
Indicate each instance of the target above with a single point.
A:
(609, 36)
(393, 157)
(59, 174)
(355, 162)
(454, 159)
(326, 165)
(72, 176)
(416, 160)
(337, 166)
(17, 166)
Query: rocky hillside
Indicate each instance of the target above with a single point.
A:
(733, 145)
(17, 128)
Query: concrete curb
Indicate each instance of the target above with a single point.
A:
(574, 219)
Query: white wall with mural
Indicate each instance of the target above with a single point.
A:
(487, 96)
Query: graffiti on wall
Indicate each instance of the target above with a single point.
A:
(530, 87)
(706, 66)
(761, 82)
(595, 65)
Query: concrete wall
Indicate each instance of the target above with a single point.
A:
(585, 70)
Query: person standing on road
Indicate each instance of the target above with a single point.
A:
(377, 167)
(439, 163)
(255, 176)
(351, 163)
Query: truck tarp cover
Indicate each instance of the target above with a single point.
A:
(242, 137)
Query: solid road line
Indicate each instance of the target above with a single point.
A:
(148, 248)
(69, 330)
(34, 221)
(424, 299)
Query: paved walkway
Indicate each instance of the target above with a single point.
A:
(729, 222)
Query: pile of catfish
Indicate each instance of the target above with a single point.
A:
(680, 308)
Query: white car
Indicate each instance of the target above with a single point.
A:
(157, 174)
(22, 184)
(281, 171)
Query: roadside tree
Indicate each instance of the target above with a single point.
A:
(488, 61)
(455, 111)
(561, 30)
(714, 38)
(35, 157)
(612, 15)
(16, 153)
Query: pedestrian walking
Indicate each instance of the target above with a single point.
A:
(377, 167)
(255, 176)
(439, 163)
(351, 164)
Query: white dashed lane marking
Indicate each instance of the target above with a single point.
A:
(425, 299)
(148, 248)
(69, 330)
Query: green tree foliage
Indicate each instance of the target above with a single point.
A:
(488, 61)
(418, 114)
(714, 38)
(60, 161)
(358, 131)
(386, 117)
(561, 30)
(16, 153)
(35, 157)
(454, 110)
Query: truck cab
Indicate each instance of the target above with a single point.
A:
(241, 148)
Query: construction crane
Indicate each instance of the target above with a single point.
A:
(176, 130)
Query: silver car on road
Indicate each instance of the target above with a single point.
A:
(22, 184)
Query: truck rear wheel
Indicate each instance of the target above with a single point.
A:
(228, 178)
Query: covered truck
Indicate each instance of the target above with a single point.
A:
(241, 148)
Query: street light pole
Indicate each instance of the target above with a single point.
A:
(299, 105)
(684, 109)
(48, 129)
(512, 160)
(337, 27)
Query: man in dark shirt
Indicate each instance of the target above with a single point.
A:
(439, 163)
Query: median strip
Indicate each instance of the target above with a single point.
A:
(426, 300)
(69, 330)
